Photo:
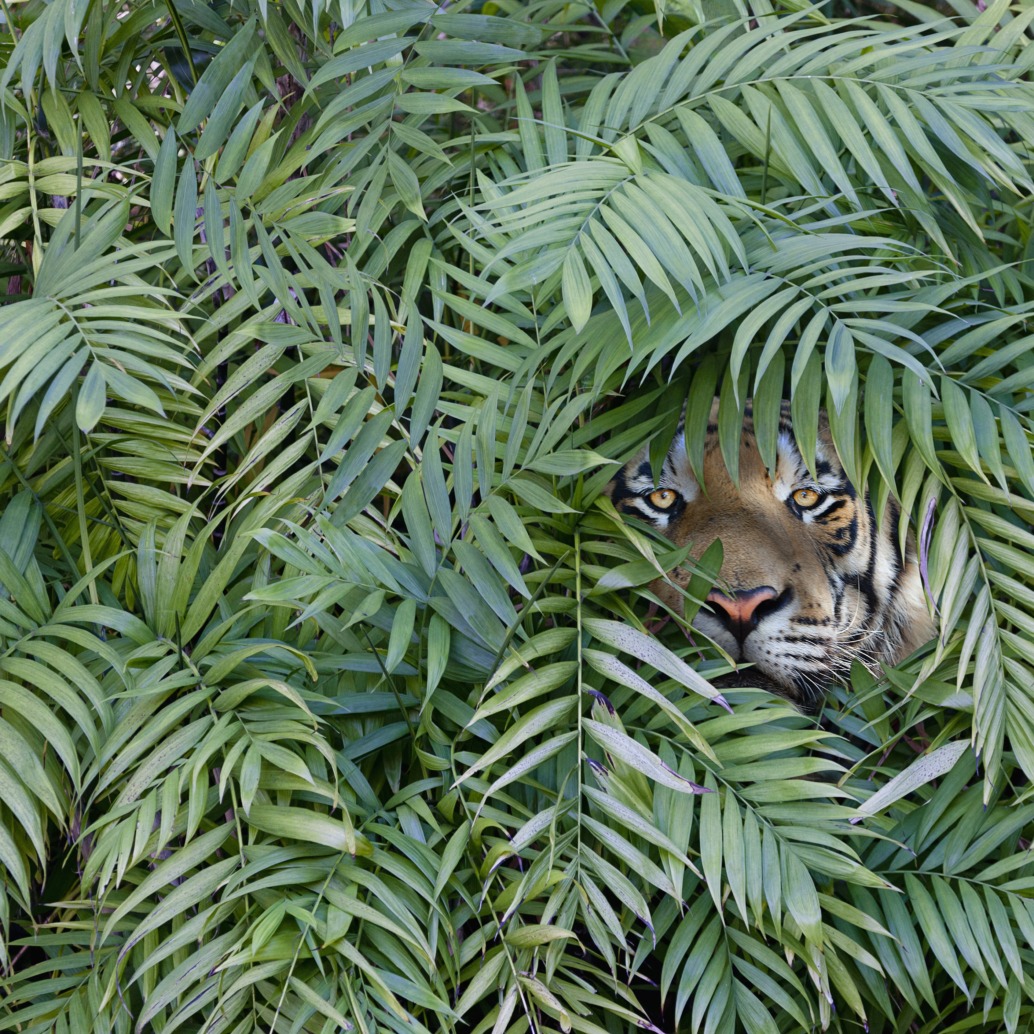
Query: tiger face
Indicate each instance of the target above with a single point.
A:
(809, 581)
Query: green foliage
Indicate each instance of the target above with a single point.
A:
(326, 698)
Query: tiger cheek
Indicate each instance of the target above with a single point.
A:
(806, 572)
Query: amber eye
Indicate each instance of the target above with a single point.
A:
(806, 498)
(663, 498)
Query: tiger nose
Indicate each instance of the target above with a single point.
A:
(741, 612)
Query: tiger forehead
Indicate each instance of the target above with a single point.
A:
(791, 471)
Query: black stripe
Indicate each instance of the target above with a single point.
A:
(842, 548)
(831, 509)
(801, 656)
(839, 592)
(865, 587)
(619, 488)
(867, 581)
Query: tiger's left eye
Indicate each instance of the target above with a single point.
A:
(806, 498)
(663, 499)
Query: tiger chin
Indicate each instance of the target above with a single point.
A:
(809, 581)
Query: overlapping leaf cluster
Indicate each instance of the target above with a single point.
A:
(328, 697)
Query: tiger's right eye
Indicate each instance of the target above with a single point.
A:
(663, 498)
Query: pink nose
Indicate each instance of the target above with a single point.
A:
(741, 611)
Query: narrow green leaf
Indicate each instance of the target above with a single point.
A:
(536, 721)
(919, 414)
(484, 981)
(805, 398)
(406, 183)
(92, 399)
(922, 771)
(711, 841)
(308, 826)
(535, 684)
(879, 415)
(613, 668)
(577, 289)
(841, 369)
(184, 215)
(650, 650)
(936, 936)
(216, 78)
(163, 182)
(640, 758)
(960, 423)
(802, 900)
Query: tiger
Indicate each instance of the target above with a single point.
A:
(809, 581)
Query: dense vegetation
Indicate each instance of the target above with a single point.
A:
(327, 698)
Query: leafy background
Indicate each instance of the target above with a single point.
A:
(327, 695)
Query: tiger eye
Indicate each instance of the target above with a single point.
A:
(806, 498)
(663, 498)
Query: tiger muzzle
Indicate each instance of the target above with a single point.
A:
(740, 612)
